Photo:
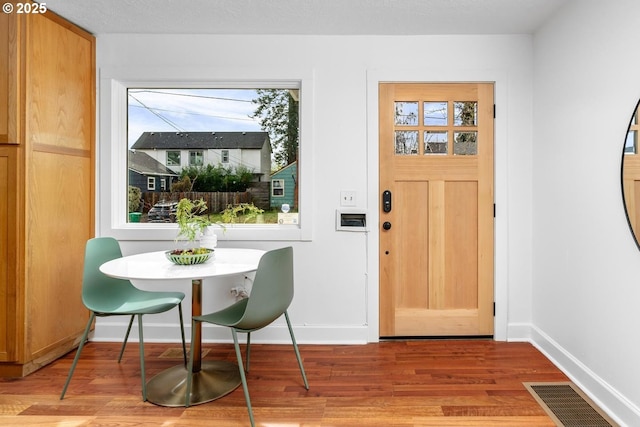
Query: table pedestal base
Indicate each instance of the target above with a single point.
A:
(215, 379)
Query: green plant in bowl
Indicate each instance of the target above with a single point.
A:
(191, 218)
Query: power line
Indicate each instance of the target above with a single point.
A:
(191, 95)
(160, 116)
(192, 113)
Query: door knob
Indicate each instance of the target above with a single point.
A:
(386, 225)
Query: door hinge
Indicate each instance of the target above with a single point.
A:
(494, 309)
(494, 210)
(494, 111)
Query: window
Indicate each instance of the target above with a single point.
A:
(163, 184)
(173, 158)
(151, 183)
(165, 123)
(196, 158)
(277, 188)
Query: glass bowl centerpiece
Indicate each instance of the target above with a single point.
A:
(192, 219)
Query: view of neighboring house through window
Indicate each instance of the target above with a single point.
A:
(240, 141)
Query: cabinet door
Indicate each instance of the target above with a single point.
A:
(59, 146)
(9, 250)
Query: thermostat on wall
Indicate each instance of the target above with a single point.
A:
(351, 220)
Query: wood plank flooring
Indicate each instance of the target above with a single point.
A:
(389, 384)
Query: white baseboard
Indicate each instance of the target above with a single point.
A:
(278, 333)
(619, 408)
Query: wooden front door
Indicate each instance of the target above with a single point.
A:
(436, 209)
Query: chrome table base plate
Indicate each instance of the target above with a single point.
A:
(214, 380)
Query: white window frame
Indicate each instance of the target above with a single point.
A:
(163, 184)
(151, 183)
(111, 161)
(179, 158)
(224, 156)
(193, 154)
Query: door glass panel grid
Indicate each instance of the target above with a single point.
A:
(442, 133)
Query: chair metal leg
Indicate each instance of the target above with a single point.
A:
(141, 346)
(295, 348)
(126, 337)
(187, 400)
(75, 359)
(248, 350)
(242, 376)
(184, 344)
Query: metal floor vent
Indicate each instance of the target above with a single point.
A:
(568, 406)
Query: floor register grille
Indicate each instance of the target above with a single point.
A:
(568, 406)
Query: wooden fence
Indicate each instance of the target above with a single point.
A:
(216, 202)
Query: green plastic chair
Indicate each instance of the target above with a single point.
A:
(270, 298)
(108, 296)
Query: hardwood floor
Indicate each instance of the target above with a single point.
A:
(390, 384)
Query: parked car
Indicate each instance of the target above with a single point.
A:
(163, 211)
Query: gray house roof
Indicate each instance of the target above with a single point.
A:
(201, 140)
(144, 164)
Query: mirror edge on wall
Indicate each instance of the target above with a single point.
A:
(631, 203)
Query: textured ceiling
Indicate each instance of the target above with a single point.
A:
(319, 17)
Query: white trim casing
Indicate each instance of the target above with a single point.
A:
(501, 262)
(112, 154)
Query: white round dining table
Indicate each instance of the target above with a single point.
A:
(210, 379)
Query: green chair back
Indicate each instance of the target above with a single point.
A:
(272, 290)
(101, 293)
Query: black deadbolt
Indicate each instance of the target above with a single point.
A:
(386, 225)
(386, 201)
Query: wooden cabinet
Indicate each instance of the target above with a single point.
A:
(47, 153)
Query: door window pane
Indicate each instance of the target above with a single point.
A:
(435, 142)
(435, 113)
(465, 143)
(406, 113)
(466, 113)
(406, 142)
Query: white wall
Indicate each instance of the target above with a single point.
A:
(337, 272)
(586, 266)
